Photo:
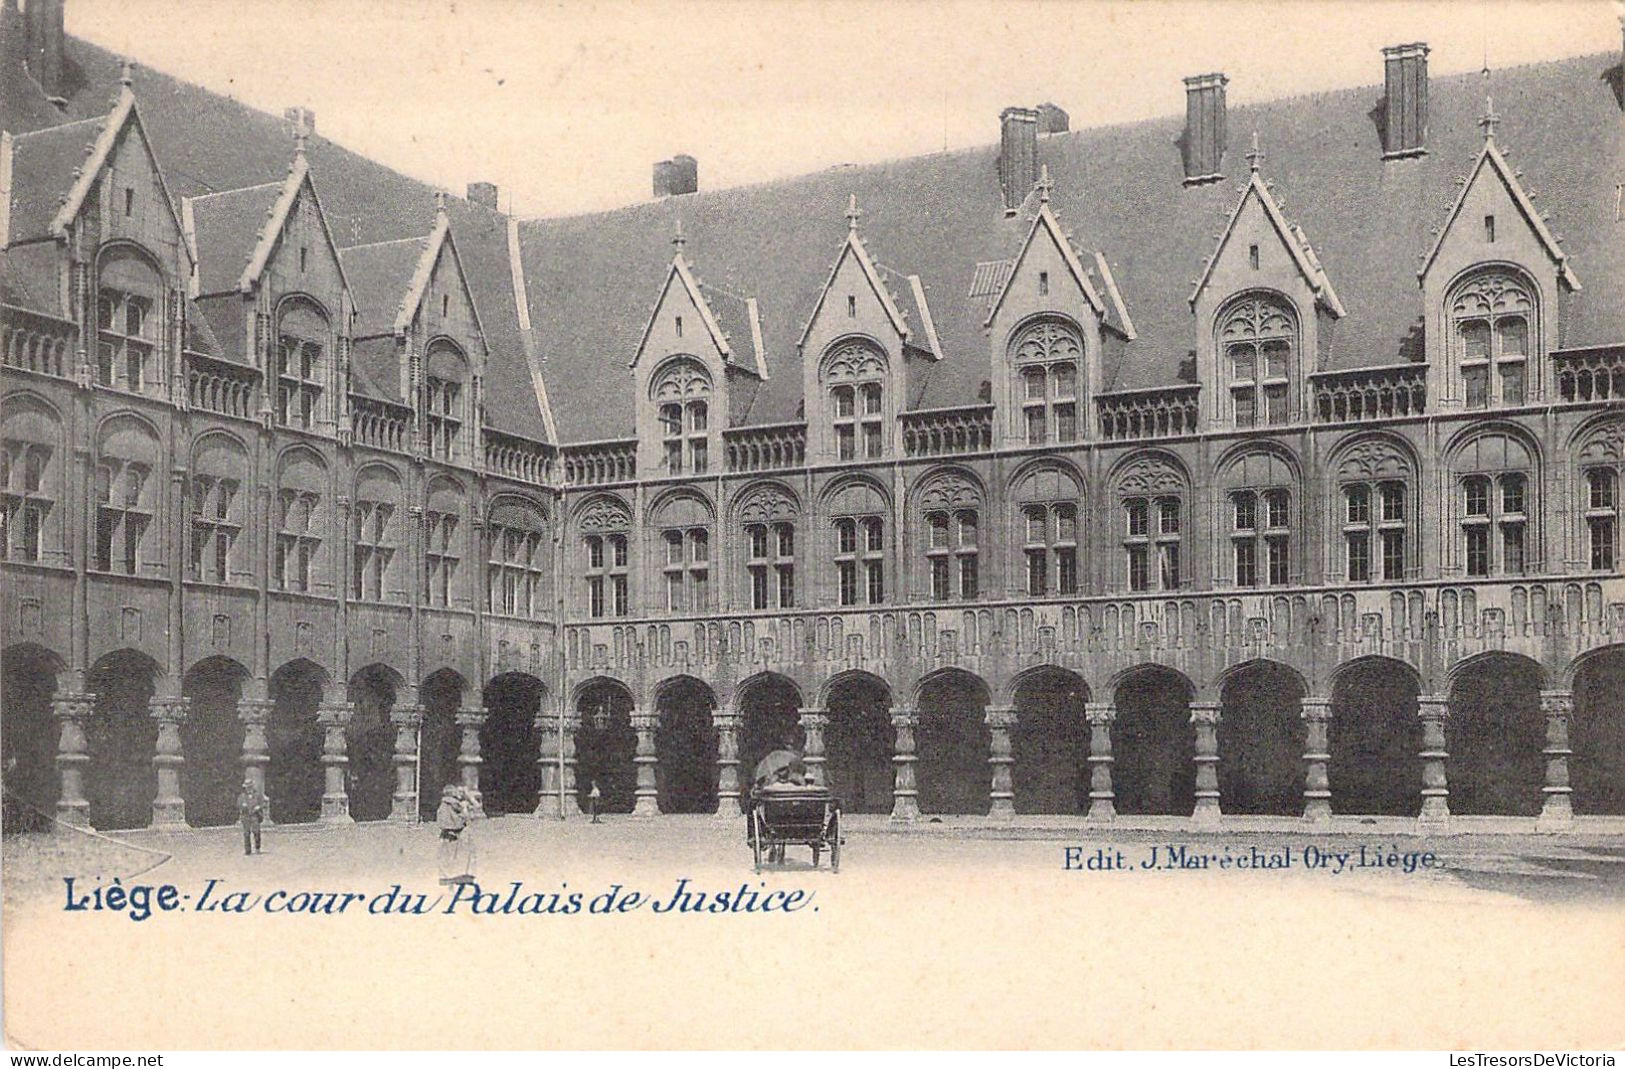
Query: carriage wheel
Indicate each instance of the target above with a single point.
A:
(815, 855)
(756, 838)
(835, 843)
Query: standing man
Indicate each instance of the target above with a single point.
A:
(251, 813)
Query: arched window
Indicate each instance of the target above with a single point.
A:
(516, 554)
(219, 507)
(1153, 494)
(606, 557)
(301, 526)
(301, 364)
(375, 522)
(1258, 339)
(858, 520)
(1601, 458)
(683, 542)
(1045, 358)
(127, 497)
(1374, 490)
(129, 306)
(28, 480)
(1492, 314)
(767, 515)
(949, 505)
(1256, 512)
(442, 545)
(1495, 491)
(445, 399)
(681, 390)
(854, 373)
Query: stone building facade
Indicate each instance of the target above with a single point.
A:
(1080, 474)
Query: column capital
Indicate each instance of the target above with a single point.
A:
(1099, 712)
(1433, 705)
(73, 706)
(335, 714)
(1315, 708)
(469, 718)
(727, 719)
(1557, 702)
(572, 721)
(905, 718)
(255, 710)
(169, 710)
(1205, 712)
(406, 716)
(644, 719)
(1000, 716)
(814, 718)
(545, 721)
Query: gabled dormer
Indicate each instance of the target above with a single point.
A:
(855, 350)
(271, 282)
(1046, 325)
(1261, 306)
(1490, 285)
(697, 340)
(91, 196)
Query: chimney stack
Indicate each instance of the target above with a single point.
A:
(1405, 100)
(42, 38)
(483, 194)
(1204, 127)
(676, 176)
(300, 118)
(1018, 154)
(1053, 119)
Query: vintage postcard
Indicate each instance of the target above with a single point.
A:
(819, 525)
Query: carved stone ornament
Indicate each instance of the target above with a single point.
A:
(605, 514)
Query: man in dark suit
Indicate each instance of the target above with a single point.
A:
(251, 814)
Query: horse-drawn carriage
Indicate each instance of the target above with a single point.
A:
(787, 808)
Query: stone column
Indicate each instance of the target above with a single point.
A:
(905, 798)
(727, 764)
(1102, 799)
(572, 725)
(168, 807)
(1001, 720)
(647, 794)
(547, 763)
(1205, 717)
(404, 802)
(1316, 713)
(73, 712)
(1557, 809)
(469, 722)
(334, 717)
(255, 713)
(813, 723)
(1434, 709)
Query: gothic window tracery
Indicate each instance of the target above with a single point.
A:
(854, 373)
(681, 392)
(1601, 466)
(1492, 314)
(606, 558)
(1374, 488)
(129, 305)
(1152, 493)
(1258, 343)
(1045, 358)
(218, 509)
(301, 364)
(517, 559)
(768, 517)
(445, 399)
(951, 508)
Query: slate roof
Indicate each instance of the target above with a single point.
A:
(1119, 190)
(379, 274)
(226, 227)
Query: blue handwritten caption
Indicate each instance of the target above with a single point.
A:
(141, 901)
(1330, 860)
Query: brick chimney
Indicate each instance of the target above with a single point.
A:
(483, 194)
(676, 176)
(1053, 119)
(1204, 127)
(1018, 154)
(42, 38)
(1405, 100)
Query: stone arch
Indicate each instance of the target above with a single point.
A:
(219, 471)
(1494, 291)
(442, 694)
(1495, 735)
(1370, 460)
(605, 744)
(212, 740)
(685, 745)
(1255, 326)
(28, 735)
(379, 536)
(954, 743)
(294, 779)
(769, 706)
(1153, 742)
(679, 377)
(370, 741)
(301, 521)
(1149, 471)
(122, 735)
(1261, 738)
(851, 358)
(1597, 731)
(36, 465)
(510, 746)
(1597, 452)
(859, 740)
(448, 557)
(128, 510)
(1050, 741)
(1375, 735)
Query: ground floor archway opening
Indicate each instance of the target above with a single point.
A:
(212, 741)
(293, 738)
(685, 747)
(953, 775)
(1261, 741)
(1154, 744)
(510, 781)
(440, 740)
(122, 735)
(769, 719)
(1495, 737)
(370, 742)
(28, 736)
(606, 747)
(1597, 734)
(858, 743)
(1050, 743)
(1375, 737)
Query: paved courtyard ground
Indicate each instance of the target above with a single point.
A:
(931, 935)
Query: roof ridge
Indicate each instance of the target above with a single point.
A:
(239, 189)
(420, 239)
(59, 127)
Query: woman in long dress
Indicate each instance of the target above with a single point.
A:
(456, 842)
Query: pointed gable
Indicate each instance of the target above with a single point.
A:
(1046, 242)
(855, 273)
(1255, 220)
(438, 296)
(296, 241)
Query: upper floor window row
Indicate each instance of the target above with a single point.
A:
(1492, 316)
